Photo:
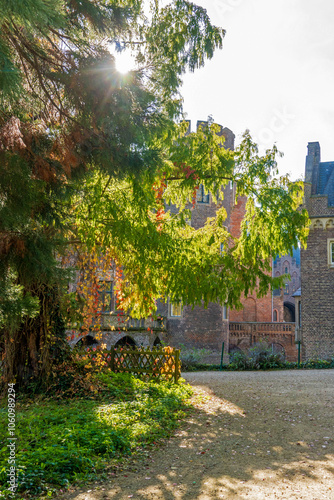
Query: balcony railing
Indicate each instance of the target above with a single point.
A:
(262, 328)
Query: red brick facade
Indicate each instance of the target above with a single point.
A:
(254, 309)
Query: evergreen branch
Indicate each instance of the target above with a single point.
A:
(30, 47)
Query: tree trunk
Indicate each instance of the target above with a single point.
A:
(28, 352)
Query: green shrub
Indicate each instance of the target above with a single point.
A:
(238, 361)
(192, 357)
(258, 357)
(318, 363)
(261, 357)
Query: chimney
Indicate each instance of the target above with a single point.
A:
(312, 165)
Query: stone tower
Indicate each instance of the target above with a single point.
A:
(317, 260)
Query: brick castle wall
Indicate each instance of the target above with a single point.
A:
(254, 308)
(317, 278)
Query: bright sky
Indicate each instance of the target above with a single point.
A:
(274, 76)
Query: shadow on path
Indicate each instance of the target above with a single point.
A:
(251, 435)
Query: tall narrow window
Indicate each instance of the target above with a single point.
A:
(201, 197)
(106, 296)
(225, 311)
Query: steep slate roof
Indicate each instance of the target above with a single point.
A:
(326, 181)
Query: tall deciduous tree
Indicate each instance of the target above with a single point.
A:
(87, 154)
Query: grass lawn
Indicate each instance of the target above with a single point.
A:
(67, 441)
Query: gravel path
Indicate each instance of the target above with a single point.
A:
(252, 435)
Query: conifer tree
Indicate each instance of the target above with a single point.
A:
(90, 156)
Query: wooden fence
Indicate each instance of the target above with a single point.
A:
(155, 364)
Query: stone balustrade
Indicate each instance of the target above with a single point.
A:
(126, 323)
(243, 335)
(265, 328)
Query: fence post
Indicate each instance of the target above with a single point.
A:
(177, 364)
(221, 361)
(298, 354)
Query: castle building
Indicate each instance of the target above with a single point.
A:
(266, 318)
(199, 327)
(315, 323)
(287, 264)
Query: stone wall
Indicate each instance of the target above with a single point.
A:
(318, 206)
(108, 339)
(317, 296)
(317, 277)
(200, 328)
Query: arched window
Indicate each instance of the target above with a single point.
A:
(87, 341)
(157, 342)
(278, 349)
(275, 315)
(249, 312)
(286, 267)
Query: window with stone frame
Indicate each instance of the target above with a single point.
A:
(330, 252)
(107, 301)
(201, 197)
(175, 310)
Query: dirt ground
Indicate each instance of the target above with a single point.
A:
(252, 435)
